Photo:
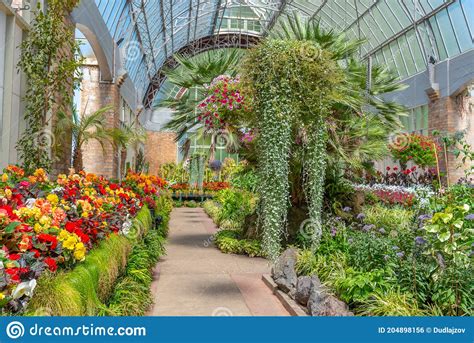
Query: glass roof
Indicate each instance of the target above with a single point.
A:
(403, 34)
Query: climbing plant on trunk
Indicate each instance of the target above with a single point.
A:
(293, 84)
(50, 64)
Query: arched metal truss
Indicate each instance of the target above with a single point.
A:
(402, 34)
(221, 41)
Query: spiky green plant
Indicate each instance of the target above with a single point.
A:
(89, 127)
(191, 75)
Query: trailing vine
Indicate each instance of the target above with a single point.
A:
(315, 169)
(50, 64)
(197, 166)
(293, 84)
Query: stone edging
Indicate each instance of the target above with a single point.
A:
(289, 304)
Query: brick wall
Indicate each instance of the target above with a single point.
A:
(447, 115)
(160, 148)
(94, 96)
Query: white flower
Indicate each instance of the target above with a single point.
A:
(57, 190)
(24, 288)
(127, 224)
(30, 202)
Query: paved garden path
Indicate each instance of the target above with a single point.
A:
(196, 279)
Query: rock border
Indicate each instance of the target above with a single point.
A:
(289, 304)
(305, 293)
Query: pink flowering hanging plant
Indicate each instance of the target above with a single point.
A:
(224, 99)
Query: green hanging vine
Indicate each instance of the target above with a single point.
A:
(315, 169)
(274, 146)
(49, 62)
(197, 167)
(293, 83)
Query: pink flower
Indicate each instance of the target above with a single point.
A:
(24, 184)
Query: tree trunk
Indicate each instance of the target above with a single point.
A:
(77, 161)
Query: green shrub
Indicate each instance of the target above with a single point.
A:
(235, 205)
(394, 218)
(357, 287)
(132, 296)
(391, 303)
(212, 210)
(369, 250)
(246, 180)
(231, 242)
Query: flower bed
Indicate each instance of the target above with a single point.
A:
(390, 194)
(393, 260)
(182, 191)
(46, 225)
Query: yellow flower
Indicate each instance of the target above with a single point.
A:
(80, 252)
(44, 220)
(85, 214)
(10, 265)
(8, 194)
(2, 296)
(53, 199)
(4, 179)
(38, 228)
(70, 243)
(63, 235)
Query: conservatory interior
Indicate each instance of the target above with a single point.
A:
(236, 157)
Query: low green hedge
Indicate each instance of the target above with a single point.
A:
(132, 295)
(231, 242)
(83, 290)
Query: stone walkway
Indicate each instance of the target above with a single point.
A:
(196, 279)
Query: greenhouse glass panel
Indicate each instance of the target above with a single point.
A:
(468, 10)
(447, 33)
(407, 55)
(394, 25)
(420, 62)
(442, 53)
(461, 29)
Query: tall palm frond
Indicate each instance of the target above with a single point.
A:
(294, 27)
(361, 118)
(192, 75)
(202, 69)
(89, 127)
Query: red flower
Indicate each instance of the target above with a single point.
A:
(388, 168)
(14, 257)
(14, 274)
(51, 263)
(395, 168)
(48, 239)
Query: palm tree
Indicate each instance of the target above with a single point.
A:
(361, 121)
(87, 128)
(128, 135)
(191, 76)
